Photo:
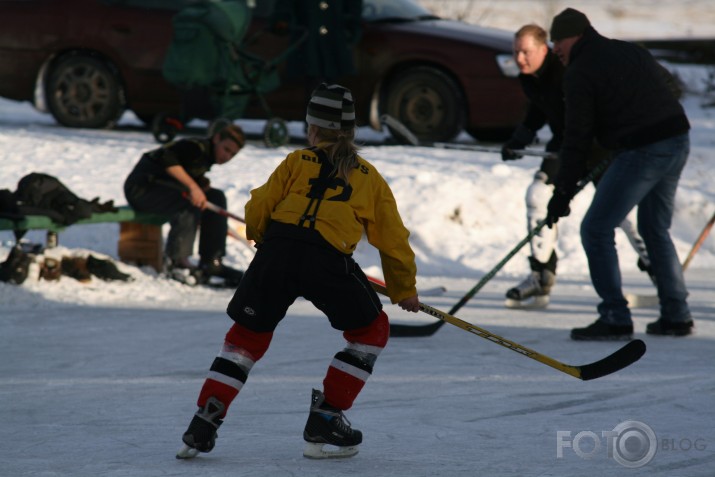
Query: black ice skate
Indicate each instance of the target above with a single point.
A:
(328, 426)
(201, 434)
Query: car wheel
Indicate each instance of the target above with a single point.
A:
(84, 92)
(427, 101)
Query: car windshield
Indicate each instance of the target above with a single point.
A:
(387, 11)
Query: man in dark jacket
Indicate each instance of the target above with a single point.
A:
(617, 93)
(172, 180)
(541, 77)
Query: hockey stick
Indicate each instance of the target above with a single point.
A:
(649, 301)
(476, 148)
(221, 211)
(429, 329)
(701, 238)
(403, 132)
(621, 358)
(185, 194)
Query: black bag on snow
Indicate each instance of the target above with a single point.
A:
(43, 194)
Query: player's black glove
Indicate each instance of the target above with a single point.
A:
(507, 150)
(558, 207)
(520, 138)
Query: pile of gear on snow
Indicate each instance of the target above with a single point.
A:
(17, 267)
(42, 194)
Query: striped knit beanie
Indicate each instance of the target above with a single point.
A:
(331, 107)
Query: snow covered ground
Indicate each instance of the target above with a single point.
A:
(621, 19)
(100, 379)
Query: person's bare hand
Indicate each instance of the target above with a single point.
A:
(197, 197)
(410, 304)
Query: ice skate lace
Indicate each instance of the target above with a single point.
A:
(338, 419)
(342, 423)
(529, 284)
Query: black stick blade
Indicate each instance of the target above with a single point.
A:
(622, 358)
(402, 331)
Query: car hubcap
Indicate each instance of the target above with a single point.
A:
(83, 92)
(422, 109)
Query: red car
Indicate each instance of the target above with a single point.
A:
(86, 61)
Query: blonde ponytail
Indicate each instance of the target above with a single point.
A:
(341, 150)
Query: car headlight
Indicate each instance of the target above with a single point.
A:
(507, 65)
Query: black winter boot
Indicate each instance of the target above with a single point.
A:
(601, 331)
(215, 268)
(669, 328)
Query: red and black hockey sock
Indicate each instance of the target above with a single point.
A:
(229, 370)
(351, 367)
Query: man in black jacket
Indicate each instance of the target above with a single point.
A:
(617, 93)
(172, 180)
(541, 77)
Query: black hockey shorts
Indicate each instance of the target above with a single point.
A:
(285, 269)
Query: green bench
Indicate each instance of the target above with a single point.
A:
(123, 214)
(140, 239)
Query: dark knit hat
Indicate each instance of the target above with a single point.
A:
(568, 23)
(331, 107)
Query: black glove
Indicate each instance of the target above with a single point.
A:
(507, 150)
(558, 207)
(520, 138)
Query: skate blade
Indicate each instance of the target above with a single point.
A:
(642, 301)
(327, 451)
(533, 303)
(187, 452)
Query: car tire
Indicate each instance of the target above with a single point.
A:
(84, 92)
(427, 101)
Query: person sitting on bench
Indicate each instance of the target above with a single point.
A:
(171, 180)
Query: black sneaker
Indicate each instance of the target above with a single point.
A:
(215, 268)
(201, 434)
(327, 425)
(602, 331)
(669, 328)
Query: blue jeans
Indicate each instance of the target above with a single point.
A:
(646, 177)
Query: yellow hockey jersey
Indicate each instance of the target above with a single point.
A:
(364, 205)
